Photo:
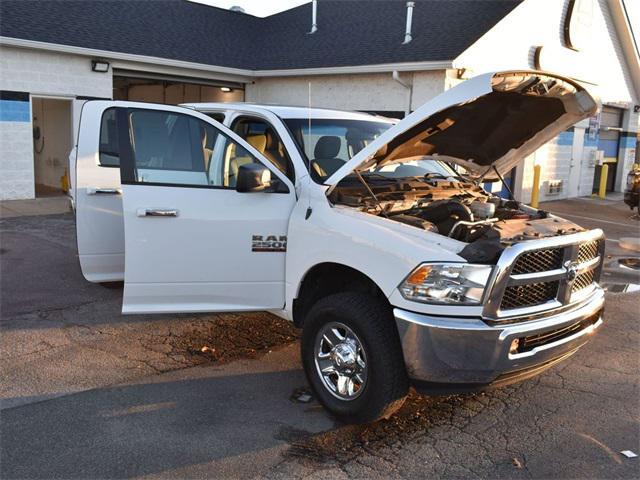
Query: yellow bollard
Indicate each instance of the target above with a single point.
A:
(535, 190)
(602, 191)
(64, 181)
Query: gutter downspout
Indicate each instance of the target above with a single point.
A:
(409, 86)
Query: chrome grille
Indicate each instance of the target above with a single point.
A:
(539, 261)
(582, 281)
(532, 341)
(588, 251)
(519, 296)
(533, 277)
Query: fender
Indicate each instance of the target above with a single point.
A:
(383, 250)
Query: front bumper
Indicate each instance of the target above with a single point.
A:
(453, 354)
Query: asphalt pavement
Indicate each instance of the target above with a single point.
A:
(88, 393)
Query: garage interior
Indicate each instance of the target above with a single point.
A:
(52, 142)
(149, 87)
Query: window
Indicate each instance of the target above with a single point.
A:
(108, 155)
(331, 142)
(170, 148)
(217, 116)
(263, 137)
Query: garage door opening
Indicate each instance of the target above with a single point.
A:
(52, 142)
(173, 91)
(609, 144)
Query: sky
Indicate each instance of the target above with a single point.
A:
(259, 8)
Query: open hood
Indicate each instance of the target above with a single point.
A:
(490, 122)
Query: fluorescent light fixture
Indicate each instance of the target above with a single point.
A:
(99, 66)
(225, 89)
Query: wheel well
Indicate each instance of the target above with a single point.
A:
(326, 279)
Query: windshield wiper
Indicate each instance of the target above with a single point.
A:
(377, 176)
(430, 175)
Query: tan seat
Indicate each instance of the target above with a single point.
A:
(256, 141)
(325, 152)
(274, 150)
(206, 151)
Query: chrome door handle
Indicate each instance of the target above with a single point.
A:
(103, 191)
(157, 212)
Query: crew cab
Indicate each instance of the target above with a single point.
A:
(373, 236)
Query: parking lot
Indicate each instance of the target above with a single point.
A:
(88, 393)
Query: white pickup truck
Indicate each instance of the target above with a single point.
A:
(374, 237)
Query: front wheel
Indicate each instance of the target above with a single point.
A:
(352, 357)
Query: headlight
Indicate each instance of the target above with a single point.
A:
(447, 283)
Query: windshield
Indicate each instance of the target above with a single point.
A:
(332, 142)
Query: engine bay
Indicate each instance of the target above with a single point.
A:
(455, 208)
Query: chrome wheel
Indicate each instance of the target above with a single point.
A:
(341, 361)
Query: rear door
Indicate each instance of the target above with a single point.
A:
(192, 242)
(97, 196)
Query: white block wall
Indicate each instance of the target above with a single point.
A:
(512, 42)
(16, 161)
(39, 73)
(555, 158)
(511, 45)
(49, 73)
(373, 92)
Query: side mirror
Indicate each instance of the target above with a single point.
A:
(253, 177)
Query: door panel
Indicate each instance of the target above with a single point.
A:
(98, 199)
(202, 259)
(192, 242)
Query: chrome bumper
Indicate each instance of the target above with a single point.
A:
(449, 351)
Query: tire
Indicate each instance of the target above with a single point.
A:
(375, 337)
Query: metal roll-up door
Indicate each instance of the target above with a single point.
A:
(609, 144)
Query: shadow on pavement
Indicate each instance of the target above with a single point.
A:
(150, 428)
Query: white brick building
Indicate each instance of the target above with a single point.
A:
(357, 60)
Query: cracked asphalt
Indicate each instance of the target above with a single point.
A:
(88, 393)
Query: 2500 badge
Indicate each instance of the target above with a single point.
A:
(270, 243)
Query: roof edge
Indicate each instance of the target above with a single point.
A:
(375, 68)
(239, 74)
(107, 54)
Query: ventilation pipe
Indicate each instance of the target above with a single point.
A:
(407, 31)
(314, 15)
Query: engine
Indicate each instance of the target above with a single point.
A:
(456, 209)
